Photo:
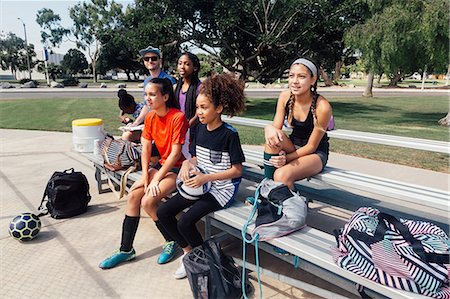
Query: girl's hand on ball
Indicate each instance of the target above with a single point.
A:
(184, 173)
(197, 180)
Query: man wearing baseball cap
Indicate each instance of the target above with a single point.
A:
(151, 57)
(152, 61)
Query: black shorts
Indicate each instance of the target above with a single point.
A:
(155, 152)
(158, 166)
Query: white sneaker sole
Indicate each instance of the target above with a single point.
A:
(179, 276)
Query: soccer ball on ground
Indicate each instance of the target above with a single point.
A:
(24, 227)
(193, 193)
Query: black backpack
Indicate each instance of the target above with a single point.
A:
(68, 194)
(212, 274)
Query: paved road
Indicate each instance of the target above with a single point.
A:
(252, 93)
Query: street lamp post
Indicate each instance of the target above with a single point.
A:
(26, 47)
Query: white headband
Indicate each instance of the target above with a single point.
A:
(308, 64)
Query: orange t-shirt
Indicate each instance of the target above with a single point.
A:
(166, 131)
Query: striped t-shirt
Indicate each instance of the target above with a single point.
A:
(217, 151)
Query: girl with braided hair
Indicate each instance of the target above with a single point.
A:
(305, 152)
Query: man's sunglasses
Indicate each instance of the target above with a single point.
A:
(152, 58)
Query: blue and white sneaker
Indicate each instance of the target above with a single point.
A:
(117, 258)
(169, 250)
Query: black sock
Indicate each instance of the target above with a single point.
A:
(163, 231)
(129, 228)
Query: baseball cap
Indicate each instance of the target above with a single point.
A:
(150, 49)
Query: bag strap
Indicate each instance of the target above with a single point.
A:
(124, 179)
(215, 263)
(415, 243)
(107, 144)
(112, 187)
(246, 241)
(41, 206)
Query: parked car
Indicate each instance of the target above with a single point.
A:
(415, 76)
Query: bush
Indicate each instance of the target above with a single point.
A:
(71, 81)
(23, 81)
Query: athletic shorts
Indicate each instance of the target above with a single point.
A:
(322, 155)
(158, 166)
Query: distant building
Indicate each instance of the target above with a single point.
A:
(54, 58)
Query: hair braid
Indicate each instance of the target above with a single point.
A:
(291, 102)
(314, 102)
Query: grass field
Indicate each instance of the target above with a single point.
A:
(412, 117)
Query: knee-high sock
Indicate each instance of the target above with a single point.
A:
(163, 231)
(269, 169)
(129, 228)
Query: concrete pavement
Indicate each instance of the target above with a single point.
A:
(62, 261)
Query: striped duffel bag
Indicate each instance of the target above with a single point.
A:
(120, 154)
(404, 254)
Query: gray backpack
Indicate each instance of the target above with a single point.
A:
(280, 211)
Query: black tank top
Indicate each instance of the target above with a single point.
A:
(302, 130)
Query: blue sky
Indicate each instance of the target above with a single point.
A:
(27, 11)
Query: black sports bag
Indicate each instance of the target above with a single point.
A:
(67, 193)
(213, 274)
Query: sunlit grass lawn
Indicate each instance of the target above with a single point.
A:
(412, 117)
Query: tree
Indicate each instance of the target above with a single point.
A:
(259, 39)
(144, 23)
(54, 71)
(52, 33)
(13, 53)
(155, 23)
(74, 62)
(400, 37)
(208, 66)
(91, 20)
(435, 34)
(116, 55)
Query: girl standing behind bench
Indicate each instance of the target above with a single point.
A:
(166, 125)
(217, 149)
(305, 152)
(186, 92)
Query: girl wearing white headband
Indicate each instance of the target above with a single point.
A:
(305, 152)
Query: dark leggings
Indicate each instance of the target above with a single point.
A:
(185, 232)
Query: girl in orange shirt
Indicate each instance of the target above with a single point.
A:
(166, 125)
